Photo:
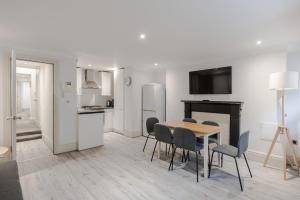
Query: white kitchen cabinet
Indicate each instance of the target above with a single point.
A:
(90, 130)
(106, 83)
(108, 120)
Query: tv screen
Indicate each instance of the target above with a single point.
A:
(211, 81)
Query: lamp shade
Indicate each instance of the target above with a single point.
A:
(284, 81)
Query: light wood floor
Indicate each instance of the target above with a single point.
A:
(120, 170)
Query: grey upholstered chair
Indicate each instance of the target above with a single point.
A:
(212, 139)
(150, 129)
(162, 134)
(189, 120)
(234, 152)
(185, 139)
(187, 156)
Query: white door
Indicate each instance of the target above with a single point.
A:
(13, 104)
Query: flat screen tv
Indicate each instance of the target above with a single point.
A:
(211, 81)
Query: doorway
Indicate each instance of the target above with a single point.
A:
(34, 108)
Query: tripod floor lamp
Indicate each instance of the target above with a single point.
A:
(283, 81)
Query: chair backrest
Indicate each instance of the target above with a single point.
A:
(150, 124)
(184, 138)
(243, 143)
(211, 123)
(163, 134)
(189, 120)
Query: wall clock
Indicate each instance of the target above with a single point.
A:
(128, 81)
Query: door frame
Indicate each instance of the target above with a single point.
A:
(54, 63)
(13, 104)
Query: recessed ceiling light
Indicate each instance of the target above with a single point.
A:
(142, 36)
(155, 64)
(258, 42)
(25, 63)
(89, 65)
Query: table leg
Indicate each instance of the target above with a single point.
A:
(205, 167)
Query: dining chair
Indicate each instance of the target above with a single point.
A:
(189, 120)
(211, 139)
(150, 122)
(162, 134)
(187, 156)
(185, 139)
(234, 152)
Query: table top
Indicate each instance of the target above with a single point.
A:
(199, 129)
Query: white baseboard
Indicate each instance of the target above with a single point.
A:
(63, 148)
(132, 134)
(108, 130)
(274, 161)
(48, 142)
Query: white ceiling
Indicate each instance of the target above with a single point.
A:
(179, 32)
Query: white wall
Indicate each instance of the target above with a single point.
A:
(46, 103)
(118, 116)
(293, 98)
(65, 105)
(250, 85)
(5, 139)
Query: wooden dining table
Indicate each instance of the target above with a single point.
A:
(200, 130)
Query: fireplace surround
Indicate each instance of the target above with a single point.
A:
(232, 108)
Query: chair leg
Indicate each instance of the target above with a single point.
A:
(171, 162)
(183, 155)
(145, 143)
(154, 150)
(187, 157)
(208, 155)
(197, 167)
(222, 160)
(247, 164)
(166, 150)
(210, 163)
(169, 149)
(238, 174)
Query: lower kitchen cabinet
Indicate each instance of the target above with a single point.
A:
(90, 130)
(108, 120)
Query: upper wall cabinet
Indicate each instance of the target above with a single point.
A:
(106, 83)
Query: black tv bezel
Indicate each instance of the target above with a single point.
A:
(210, 69)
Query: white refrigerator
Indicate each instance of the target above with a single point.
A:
(153, 103)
